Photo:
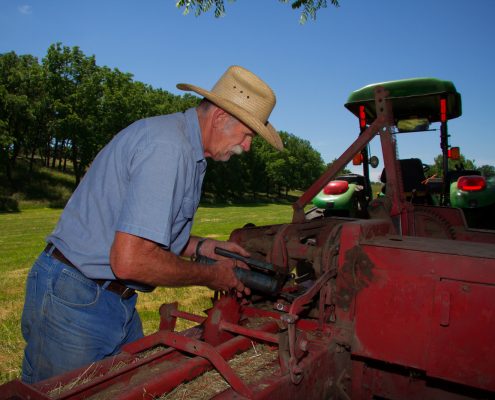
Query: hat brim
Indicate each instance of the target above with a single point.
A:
(267, 131)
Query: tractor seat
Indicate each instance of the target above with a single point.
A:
(413, 180)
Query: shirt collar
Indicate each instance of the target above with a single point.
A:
(193, 132)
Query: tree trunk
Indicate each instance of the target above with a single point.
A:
(9, 175)
(31, 159)
(4, 157)
(54, 158)
(61, 153)
(75, 164)
(41, 153)
(47, 155)
(77, 173)
(15, 154)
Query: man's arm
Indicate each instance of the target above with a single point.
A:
(141, 260)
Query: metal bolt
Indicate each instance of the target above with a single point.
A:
(289, 318)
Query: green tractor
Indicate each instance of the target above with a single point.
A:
(417, 104)
(344, 196)
(475, 195)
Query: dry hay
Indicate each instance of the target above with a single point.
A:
(149, 352)
(88, 375)
(251, 366)
(258, 322)
(92, 373)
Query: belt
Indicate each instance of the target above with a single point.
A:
(114, 286)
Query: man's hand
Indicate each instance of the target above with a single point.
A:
(225, 278)
(207, 249)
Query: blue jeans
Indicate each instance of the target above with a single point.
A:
(69, 321)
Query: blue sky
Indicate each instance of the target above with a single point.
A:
(312, 68)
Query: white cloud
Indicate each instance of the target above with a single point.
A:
(25, 9)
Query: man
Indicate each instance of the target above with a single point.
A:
(128, 222)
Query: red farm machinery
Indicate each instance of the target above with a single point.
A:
(397, 305)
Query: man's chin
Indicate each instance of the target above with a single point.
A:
(223, 157)
(226, 156)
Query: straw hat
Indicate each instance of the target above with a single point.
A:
(245, 96)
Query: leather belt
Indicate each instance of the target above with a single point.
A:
(114, 286)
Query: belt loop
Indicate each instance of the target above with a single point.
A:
(105, 285)
(51, 249)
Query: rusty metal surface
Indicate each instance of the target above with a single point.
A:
(18, 390)
(433, 245)
(431, 311)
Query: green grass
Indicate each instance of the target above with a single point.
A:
(22, 237)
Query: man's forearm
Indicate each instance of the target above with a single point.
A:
(137, 259)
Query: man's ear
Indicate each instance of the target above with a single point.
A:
(219, 117)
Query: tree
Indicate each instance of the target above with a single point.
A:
(74, 85)
(437, 167)
(69, 107)
(487, 170)
(296, 167)
(122, 102)
(20, 94)
(309, 7)
(254, 173)
(343, 171)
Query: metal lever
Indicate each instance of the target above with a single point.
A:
(257, 264)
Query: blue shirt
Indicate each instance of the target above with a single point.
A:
(145, 182)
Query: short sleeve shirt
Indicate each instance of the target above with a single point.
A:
(145, 182)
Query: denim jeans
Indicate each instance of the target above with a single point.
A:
(69, 321)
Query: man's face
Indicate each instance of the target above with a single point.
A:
(231, 137)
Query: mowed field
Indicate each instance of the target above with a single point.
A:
(22, 239)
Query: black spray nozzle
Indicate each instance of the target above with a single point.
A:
(261, 282)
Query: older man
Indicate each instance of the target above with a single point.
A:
(129, 221)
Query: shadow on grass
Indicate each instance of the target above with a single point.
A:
(8, 205)
(43, 186)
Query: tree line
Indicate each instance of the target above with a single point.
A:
(61, 111)
(463, 163)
